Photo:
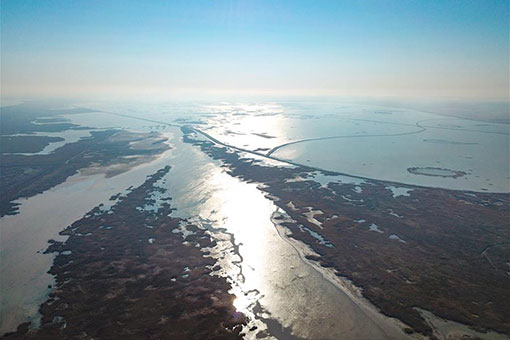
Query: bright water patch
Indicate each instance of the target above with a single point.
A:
(397, 238)
(70, 136)
(24, 278)
(375, 227)
(399, 191)
(269, 277)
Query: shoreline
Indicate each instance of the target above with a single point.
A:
(273, 181)
(346, 286)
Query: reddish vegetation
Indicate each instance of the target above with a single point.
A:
(453, 261)
(25, 176)
(25, 144)
(112, 283)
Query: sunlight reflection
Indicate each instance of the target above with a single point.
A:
(255, 127)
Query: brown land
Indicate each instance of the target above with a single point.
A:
(19, 118)
(440, 250)
(26, 144)
(28, 175)
(25, 176)
(124, 274)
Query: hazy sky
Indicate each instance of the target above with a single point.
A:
(424, 47)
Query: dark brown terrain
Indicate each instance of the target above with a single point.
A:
(440, 250)
(124, 274)
(22, 118)
(26, 144)
(27, 175)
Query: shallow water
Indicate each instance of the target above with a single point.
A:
(485, 162)
(70, 136)
(285, 295)
(359, 140)
(24, 279)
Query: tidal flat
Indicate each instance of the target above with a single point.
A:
(197, 200)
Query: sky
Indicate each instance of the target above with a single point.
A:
(371, 48)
